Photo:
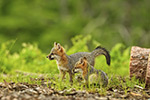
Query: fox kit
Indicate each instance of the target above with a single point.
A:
(66, 62)
(90, 74)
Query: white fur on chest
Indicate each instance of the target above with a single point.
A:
(61, 67)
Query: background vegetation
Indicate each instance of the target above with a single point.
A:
(31, 62)
(45, 21)
(28, 29)
(31, 58)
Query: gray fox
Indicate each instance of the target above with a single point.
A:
(66, 62)
(90, 74)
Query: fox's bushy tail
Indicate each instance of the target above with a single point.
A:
(101, 51)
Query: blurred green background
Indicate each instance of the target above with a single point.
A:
(45, 21)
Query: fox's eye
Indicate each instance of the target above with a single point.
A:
(52, 53)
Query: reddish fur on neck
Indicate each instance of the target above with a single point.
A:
(85, 69)
(63, 60)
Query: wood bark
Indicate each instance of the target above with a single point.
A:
(138, 62)
(148, 73)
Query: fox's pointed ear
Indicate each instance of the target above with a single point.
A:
(84, 58)
(81, 60)
(58, 46)
(55, 44)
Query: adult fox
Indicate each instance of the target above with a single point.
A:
(66, 62)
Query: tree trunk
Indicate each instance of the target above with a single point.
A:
(139, 62)
(148, 73)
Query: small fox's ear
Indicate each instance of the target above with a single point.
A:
(81, 60)
(84, 58)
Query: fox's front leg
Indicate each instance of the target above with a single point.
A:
(86, 81)
(71, 76)
(62, 74)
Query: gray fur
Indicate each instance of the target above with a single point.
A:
(102, 74)
(72, 59)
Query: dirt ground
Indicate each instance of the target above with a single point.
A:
(44, 91)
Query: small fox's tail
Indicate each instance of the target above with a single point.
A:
(99, 50)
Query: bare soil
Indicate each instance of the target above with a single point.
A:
(44, 91)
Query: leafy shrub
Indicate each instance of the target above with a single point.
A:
(30, 58)
(6, 63)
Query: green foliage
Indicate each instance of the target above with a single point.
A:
(120, 59)
(30, 58)
(5, 61)
(79, 44)
(109, 22)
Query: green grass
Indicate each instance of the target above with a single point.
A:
(115, 82)
(31, 59)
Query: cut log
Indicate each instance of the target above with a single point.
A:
(148, 73)
(138, 62)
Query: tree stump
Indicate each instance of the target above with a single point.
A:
(148, 73)
(138, 63)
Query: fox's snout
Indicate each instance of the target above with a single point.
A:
(49, 57)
